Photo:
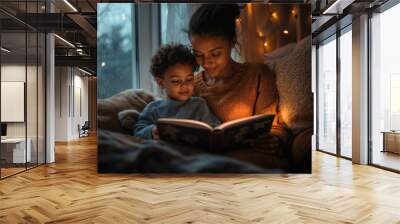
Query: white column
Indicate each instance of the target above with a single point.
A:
(50, 100)
(360, 90)
(314, 91)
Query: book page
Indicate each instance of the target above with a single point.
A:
(242, 121)
(185, 122)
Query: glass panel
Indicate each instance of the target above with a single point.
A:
(327, 96)
(346, 94)
(116, 63)
(31, 87)
(31, 98)
(13, 85)
(385, 86)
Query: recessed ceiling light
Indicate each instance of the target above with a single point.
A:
(70, 5)
(84, 71)
(5, 50)
(64, 40)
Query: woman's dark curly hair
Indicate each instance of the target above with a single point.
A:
(169, 55)
(215, 20)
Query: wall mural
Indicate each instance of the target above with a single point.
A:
(206, 88)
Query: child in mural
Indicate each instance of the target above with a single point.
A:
(172, 68)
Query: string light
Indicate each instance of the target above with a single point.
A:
(274, 15)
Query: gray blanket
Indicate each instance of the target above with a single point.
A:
(119, 153)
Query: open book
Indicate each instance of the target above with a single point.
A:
(224, 137)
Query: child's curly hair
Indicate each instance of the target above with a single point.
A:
(169, 55)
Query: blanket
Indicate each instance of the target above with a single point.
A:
(119, 153)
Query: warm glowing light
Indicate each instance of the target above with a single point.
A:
(286, 32)
(274, 15)
(265, 44)
(293, 12)
(260, 34)
(238, 110)
(238, 20)
(249, 8)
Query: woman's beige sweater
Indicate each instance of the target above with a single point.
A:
(250, 90)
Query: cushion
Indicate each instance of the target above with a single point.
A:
(293, 79)
(108, 110)
(127, 118)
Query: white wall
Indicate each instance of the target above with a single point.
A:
(12, 73)
(61, 103)
(33, 126)
(71, 94)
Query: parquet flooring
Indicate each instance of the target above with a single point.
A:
(71, 191)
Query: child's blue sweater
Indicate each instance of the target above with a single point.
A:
(194, 108)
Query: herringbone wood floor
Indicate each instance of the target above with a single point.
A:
(71, 191)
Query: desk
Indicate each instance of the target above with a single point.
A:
(391, 141)
(15, 148)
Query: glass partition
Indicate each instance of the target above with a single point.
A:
(13, 113)
(31, 98)
(22, 88)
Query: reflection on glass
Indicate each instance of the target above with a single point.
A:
(346, 94)
(385, 84)
(327, 96)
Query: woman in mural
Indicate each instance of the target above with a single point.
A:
(234, 90)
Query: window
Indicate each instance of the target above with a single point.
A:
(334, 101)
(116, 49)
(385, 84)
(174, 22)
(327, 95)
(346, 93)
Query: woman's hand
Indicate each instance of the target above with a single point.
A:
(154, 133)
(268, 144)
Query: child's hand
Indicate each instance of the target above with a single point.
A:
(154, 132)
